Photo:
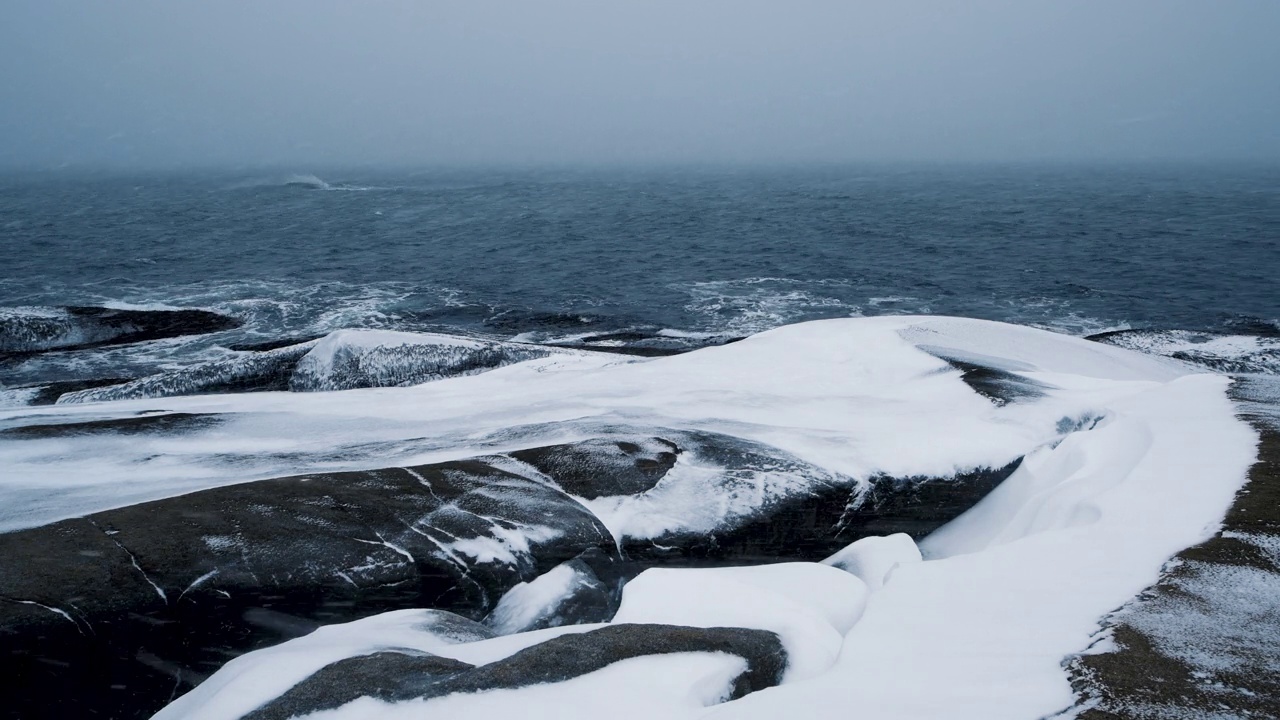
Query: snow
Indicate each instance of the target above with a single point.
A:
(809, 606)
(348, 359)
(650, 687)
(529, 603)
(251, 680)
(1129, 459)
(872, 559)
(1223, 353)
(852, 398)
(981, 628)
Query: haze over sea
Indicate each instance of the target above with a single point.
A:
(674, 256)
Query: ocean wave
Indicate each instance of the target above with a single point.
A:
(752, 305)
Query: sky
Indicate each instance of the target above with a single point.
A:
(135, 83)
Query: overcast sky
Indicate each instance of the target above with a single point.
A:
(281, 82)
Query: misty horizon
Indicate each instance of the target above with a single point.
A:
(309, 86)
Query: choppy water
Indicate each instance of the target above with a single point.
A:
(695, 254)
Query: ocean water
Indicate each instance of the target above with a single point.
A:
(676, 256)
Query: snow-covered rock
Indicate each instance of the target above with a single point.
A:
(872, 559)
(349, 359)
(341, 360)
(244, 372)
(571, 593)
(809, 606)
(1101, 466)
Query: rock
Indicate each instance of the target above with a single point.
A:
(999, 386)
(569, 594)
(400, 676)
(259, 371)
(272, 344)
(389, 675)
(605, 466)
(49, 394)
(342, 360)
(188, 579)
(40, 329)
(726, 500)
(167, 423)
(349, 359)
(1255, 350)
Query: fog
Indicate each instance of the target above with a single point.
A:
(232, 82)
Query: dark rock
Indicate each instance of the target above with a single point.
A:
(401, 676)
(389, 675)
(592, 592)
(49, 394)
(1001, 387)
(192, 581)
(634, 350)
(257, 372)
(519, 321)
(167, 423)
(814, 522)
(77, 327)
(601, 467)
(272, 344)
(818, 514)
(349, 359)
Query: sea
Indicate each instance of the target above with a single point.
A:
(670, 258)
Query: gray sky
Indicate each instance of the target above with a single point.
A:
(281, 82)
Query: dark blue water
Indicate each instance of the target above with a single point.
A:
(719, 252)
